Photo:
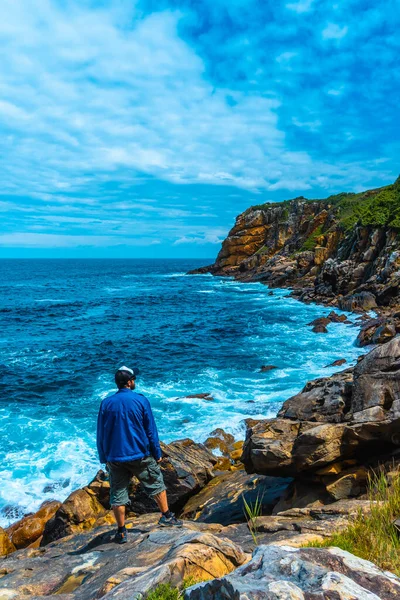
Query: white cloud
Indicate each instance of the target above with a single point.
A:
(334, 32)
(302, 6)
(209, 238)
(99, 98)
(49, 240)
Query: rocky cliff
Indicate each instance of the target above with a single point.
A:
(326, 250)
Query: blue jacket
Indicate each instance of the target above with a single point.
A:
(126, 429)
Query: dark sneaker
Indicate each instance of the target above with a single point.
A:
(121, 537)
(170, 521)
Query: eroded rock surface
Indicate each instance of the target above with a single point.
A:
(221, 500)
(334, 427)
(89, 565)
(283, 573)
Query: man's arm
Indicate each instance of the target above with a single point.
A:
(151, 430)
(99, 438)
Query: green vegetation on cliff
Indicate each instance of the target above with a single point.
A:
(311, 241)
(373, 208)
(373, 536)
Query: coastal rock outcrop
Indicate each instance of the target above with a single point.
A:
(89, 565)
(343, 251)
(29, 530)
(352, 416)
(221, 500)
(187, 467)
(6, 545)
(283, 572)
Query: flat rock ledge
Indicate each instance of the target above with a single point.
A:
(286, 573)
(89, 565)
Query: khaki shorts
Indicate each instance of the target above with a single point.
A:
(146, 470)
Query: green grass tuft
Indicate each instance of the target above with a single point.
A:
(165, 591)
(252, 512)
(373, 536)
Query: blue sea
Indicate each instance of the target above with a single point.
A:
(67, 325)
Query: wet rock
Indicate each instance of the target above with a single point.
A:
(319, 329)
(220, 440)
(281, 572)
(337, 363)
(30, 529)
(221, 501)
(321, 321)
(203, 396)
(6, 545)
(335, 318)
(222, 464)
(89, 565)
(236, 452)
(266, 368)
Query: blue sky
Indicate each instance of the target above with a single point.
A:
(143, 128)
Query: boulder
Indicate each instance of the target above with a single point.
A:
(80, 512)
(376, 331)
(362, 301)
(221, 501)
(30, 529)
(335, 318)
(283, 573)
(266, 368)
(319, 329)
(376, 393)
(89, 565)
(352, 482)
(384, 333)
(6, 545)
(324, 321)
(325, 399)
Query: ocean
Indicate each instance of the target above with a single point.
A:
(67, 325)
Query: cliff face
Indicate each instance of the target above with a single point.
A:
(324, 249)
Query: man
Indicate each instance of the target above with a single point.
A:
(127, 440)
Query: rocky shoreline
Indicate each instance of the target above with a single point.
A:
(310, 465)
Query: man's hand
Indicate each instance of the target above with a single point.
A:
(159, 460)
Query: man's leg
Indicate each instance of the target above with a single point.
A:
(119, 483)
(162, 501)
(119, 514)
(151, 477)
